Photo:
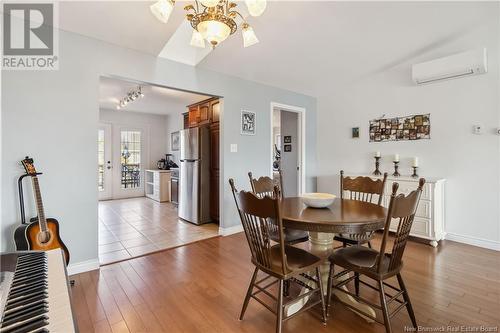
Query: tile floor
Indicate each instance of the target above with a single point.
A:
(133, 227)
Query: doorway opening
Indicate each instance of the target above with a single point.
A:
(140, 162)
(288, 147)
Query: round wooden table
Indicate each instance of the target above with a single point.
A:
(343, 216)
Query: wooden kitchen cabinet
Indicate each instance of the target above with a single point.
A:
(215, 111)
(194, 116)
(204, 112)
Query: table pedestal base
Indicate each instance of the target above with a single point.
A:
(322, 245)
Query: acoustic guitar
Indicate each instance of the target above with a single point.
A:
(40, 233)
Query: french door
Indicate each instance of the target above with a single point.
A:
(122, 160)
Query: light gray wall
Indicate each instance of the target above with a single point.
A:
(156, 126)
(469, 162)
(53, 116)
(289, 160)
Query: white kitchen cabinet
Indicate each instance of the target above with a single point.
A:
(430, 217)
(158, 185)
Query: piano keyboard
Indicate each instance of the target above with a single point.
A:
(38, 295)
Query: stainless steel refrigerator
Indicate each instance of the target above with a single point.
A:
(194, 185)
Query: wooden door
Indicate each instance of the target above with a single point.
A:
(214, 171)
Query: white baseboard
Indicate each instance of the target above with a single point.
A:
(231, 230)
(83, 266)
(487, 244)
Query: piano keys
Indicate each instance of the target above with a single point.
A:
(34, 292)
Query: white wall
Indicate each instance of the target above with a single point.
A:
(155, 125)
(175, 122)
(469, 162)
(53, 116)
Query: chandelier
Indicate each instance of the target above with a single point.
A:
(213, 20)
(132, 95)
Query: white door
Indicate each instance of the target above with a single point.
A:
(104, 162)
(129, 159)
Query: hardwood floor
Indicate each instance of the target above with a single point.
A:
(200, 288)
(133, 227)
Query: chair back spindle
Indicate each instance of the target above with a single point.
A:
(266, 185)
(260, 216)
(401, 209)
(362, 188)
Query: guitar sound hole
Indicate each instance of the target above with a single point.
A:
(44, 237)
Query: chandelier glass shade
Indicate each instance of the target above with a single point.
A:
(214, 20)
(162, 9)
(249, 37)
(197, 39)
(213, 31)
(256, 7)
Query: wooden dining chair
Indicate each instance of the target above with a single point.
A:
(379, 265)
(265, 186)
(361, 189)
(279, 261)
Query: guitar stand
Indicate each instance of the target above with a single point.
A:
(21, 195)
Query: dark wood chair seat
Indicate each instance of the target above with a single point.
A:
(298, 261)
(292, 236)
(362, 260)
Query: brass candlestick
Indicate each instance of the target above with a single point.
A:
(415, 175)
(396, 166)
(377, 165)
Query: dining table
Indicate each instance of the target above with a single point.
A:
(343, 216)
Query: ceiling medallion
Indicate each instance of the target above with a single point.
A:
(213, 20)
(132, 95)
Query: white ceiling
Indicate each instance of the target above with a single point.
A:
(125, 23)
(156, 100)
(305, 46)
(316, 47)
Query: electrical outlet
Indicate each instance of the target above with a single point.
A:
(233, 148)
(477, 129)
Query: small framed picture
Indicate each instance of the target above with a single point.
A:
(247, 122)
(355, 132)
(174, 141)
(288, 148)
(287, 139)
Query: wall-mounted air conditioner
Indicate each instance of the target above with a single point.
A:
(459, 65)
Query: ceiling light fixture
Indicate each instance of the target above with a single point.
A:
(132, 95)
(213, 20)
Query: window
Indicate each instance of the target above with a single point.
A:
(130, 158)
(100, 160)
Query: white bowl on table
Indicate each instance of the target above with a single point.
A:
(318, 200)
